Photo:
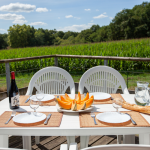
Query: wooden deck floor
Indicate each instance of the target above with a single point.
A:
(54, 142)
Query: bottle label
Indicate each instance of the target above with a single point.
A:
(15, 100)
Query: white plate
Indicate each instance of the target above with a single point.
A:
(113, 117)
(28, 118)
(65, 110)
(47, 97)
(100, 95)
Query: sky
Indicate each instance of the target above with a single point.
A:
(62, 15)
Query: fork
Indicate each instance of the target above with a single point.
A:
(93, 116)
(131, 119)
(12, 115)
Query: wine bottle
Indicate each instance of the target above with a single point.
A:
(13, 93)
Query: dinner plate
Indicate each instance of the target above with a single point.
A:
(29, 118)
(47, 98)
(65, 110)
(113, 117)
(100, 96)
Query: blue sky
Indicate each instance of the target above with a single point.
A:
(64, 15)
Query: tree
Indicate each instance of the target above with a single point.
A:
(19, 36)
(3, 41)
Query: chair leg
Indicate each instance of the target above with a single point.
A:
(144, 139)
(70, 139)
(4, 141)
(119, 139)
(37, 139)
(128, 139)
(84, 140)
(27, 142)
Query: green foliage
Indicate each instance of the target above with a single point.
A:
(3, 41)
(126, 48)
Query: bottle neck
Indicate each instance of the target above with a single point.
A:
(12, 75)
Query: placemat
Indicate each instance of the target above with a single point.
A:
(23, 98)
(54, 121)
(109, 101)
(86, 121)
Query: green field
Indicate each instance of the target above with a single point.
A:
(126, 48)
(76, 67)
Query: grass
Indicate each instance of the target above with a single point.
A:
(22, 80)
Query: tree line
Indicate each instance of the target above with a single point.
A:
(127, 24)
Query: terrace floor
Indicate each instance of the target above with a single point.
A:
(54, 142)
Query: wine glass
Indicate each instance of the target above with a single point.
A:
(34, 105)
(117, 103)
(39, 96)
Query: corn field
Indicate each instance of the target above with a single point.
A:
(126, 48)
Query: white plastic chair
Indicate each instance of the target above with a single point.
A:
(103, 79)
(73, 146)
(49, 80)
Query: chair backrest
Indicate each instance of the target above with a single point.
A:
(102, 79)
(51, 80)
(119, 147)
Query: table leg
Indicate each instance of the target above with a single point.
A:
(128, 139)
(84, 140)
(4, 141)
(27, 142)
(144, 139)
(70, 139)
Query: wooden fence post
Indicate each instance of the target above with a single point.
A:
(7, 68)
(105, 62)
(56, 61)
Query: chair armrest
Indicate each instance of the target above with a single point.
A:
(73, 146)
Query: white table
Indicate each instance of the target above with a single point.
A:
(70, 125)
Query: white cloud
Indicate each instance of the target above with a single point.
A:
(77, 17)
(97, 10)
(111, 18)
(58, 17)
(41, 10)
(3, 30)
(87, 9)
(37, 23)
(101, 16)
(11, 17)
(19, 21)
(17, 7)
(69, 16)
(91, 20)
(76, 28)
(50, 10)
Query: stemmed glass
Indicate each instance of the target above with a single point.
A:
(39, 96)
(117, 103)
(34, 105)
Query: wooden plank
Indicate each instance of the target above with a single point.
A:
(103, 141)
(77, 56)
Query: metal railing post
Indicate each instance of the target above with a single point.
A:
(7, 67)
(56, 61)
(105, 62)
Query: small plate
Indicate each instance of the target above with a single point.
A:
(100, 96)
(113, 118)
(65, 110)
(47, 98)
(29, 118)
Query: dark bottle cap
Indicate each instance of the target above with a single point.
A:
(12, 75)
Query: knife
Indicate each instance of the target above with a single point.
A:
(28, 99)
(47, 119)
